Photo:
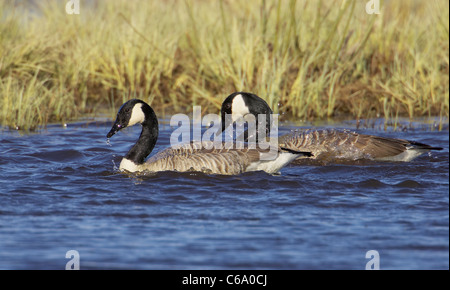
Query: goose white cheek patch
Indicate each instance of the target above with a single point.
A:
(238, 108)
(137, 115)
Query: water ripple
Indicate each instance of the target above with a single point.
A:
(58, 194)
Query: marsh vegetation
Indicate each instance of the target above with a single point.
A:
(307, 59)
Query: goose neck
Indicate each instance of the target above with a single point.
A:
(146, 142)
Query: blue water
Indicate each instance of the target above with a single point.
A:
(60, 191)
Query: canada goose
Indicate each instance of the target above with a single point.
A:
(188, 157)
(327, 145)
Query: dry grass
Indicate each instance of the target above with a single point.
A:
(308, 59)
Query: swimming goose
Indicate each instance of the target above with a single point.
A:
(191, 156)
(327, 145)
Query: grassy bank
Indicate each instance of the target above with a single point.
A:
(308, 59)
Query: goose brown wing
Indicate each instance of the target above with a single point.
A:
(334, 144)
(380, 147)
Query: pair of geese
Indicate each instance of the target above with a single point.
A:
(326, 145)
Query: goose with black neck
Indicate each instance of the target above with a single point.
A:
(191, 156)
(326, 145)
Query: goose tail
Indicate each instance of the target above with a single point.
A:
(417, 145)
(297, 152)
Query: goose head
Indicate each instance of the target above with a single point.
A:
(137, 112)
(130, 113)
(242, 104)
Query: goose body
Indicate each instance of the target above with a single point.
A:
(334, 145)
(328, 145)
(192, 156)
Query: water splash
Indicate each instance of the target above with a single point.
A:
(115, 167)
